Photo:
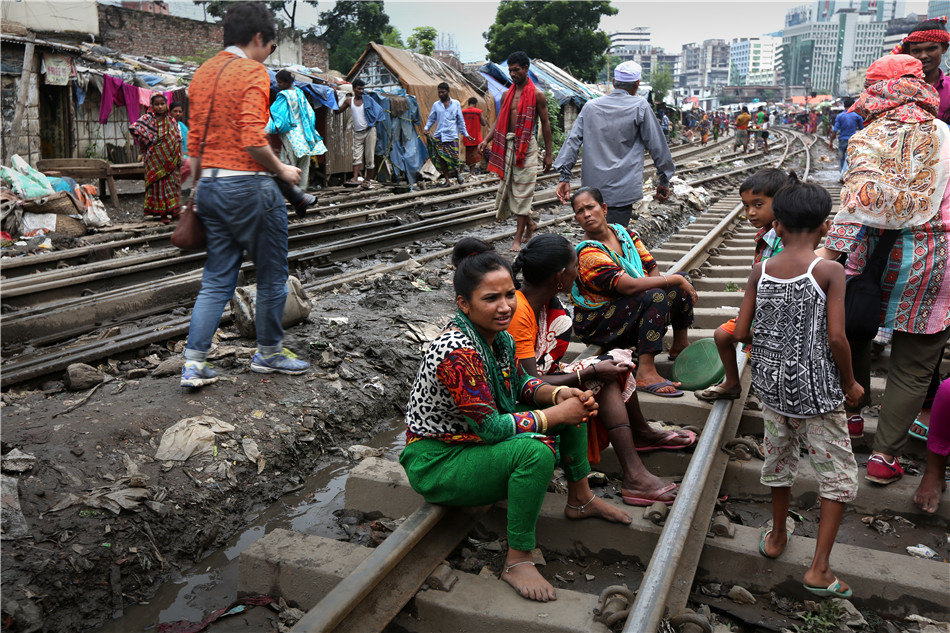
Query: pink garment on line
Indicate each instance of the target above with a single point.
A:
(145, 97)
(116, 92)
(938, 436)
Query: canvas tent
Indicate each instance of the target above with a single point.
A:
(401, 72)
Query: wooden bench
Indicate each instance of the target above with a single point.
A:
(93, 168)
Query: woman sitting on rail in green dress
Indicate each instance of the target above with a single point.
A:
(480, 430)
(620, 297)
(542, 330)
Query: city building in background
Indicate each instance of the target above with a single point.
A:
(825, 10)
(937, 8)
(629, 43)
(752, 60)
(826, 53)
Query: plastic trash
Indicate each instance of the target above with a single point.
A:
(296, 310)
(922, 551)
(190, 437)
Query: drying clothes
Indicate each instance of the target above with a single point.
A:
(116, 92)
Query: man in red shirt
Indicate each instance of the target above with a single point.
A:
(237, 198)
(474, 120)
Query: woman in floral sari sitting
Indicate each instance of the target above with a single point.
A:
(480, 430)
(157, 134)
(542, 329)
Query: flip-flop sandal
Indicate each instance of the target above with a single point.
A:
(716, 392)
(832, 591)
(919, 436)
(670, 447)
(765, 535)
(655, 389)
(631, 500)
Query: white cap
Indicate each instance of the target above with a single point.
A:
(628, 72)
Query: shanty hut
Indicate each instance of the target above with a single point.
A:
(399, 72)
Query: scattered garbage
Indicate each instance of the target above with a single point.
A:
(922, 551)
(741, 595)
(238, 606)
(16, 461)
(253, 453)
(190, 437)
(243, 304)
(115, 497)
(12, 522)
(359, 452)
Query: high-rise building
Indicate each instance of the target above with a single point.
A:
(822, 55)
(704, 66)
(937, 8)
(752, 60)
(825, 10)
(627, 44)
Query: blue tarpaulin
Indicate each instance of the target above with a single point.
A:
(323, 94)
(495, 88)
(545, 76)
(396, 135)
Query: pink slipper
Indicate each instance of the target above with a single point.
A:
(669, 447)
(630, 500)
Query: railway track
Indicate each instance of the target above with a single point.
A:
(696, 540)
(86, 312)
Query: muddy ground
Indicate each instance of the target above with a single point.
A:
(106, 523)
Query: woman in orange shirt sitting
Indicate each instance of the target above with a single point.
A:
(542, 328)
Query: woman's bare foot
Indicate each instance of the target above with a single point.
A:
(515, 247)
(595, 507)
(929, 491)
(676, 349)
(524, 577)
(530, 229)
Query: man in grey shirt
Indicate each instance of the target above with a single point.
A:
(615, 130)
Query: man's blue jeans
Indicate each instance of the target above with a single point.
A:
(241, 213)
(843, 156)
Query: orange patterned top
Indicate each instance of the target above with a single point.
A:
(240, 111)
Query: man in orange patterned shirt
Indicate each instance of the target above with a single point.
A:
(237, 198)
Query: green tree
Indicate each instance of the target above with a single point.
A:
(661, 80)
(281, 8)
(423, 39)
(350, 25)
(561, 32)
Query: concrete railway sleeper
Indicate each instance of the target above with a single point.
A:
(683, 550)
(55, 322)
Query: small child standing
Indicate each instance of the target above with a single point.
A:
(757, 192)
(801, 362)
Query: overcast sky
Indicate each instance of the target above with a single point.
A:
(673, 22)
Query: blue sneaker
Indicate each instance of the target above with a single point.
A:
(196, 373)
(286, 362)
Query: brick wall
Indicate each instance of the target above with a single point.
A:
(143, 33)
(315, 53)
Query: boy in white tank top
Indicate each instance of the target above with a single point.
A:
(801, 371)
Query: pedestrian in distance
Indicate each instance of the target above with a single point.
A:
(237, 199)
(742, 130)
(446, 117)
(846, 124)
(480, 429)
(616, 131)
(474, 120)
(364, 114)
(757, 193)
(177, 112)
(158, 135)
(793, 315)
(666, 125)
(292, 117)
(512, 143)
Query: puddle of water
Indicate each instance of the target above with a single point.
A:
(212, 583)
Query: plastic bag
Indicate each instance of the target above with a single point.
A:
(25, 181)
(95, 214)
